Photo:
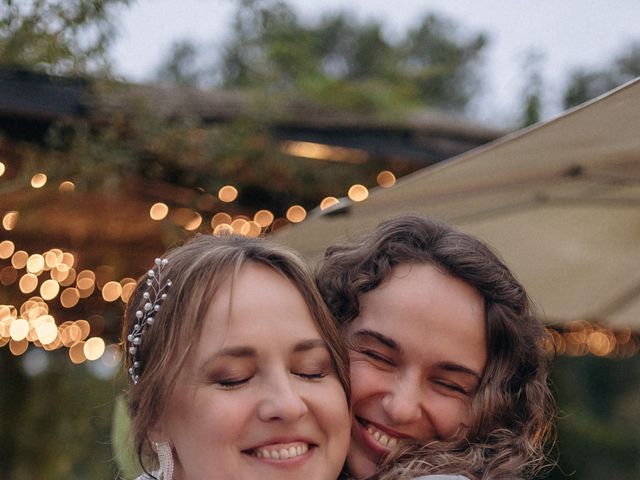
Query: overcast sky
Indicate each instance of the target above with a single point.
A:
(568, 33)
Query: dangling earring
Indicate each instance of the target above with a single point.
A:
(165, 459)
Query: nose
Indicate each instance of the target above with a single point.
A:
(403, 403)
(280, 401)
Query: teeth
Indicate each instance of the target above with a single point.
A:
(382, 438)
(282, 453)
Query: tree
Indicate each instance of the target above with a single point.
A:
(533, 88)
(339, 60)
(57, 36)
(181, 65)
(586, 84)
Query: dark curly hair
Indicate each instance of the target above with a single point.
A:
(512, 412)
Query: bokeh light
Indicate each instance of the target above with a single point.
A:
(39, 180)
(49, 289)
(69, 297)
(28, 283)
(19, 329)
(10, 220)
(76, 353)
(328, 202)
(18, 347)
(66, 187)
(8, 275)
(94, 348)
(227, 193)
(7, 248)
(296, 214)
(158, 211)
(220, 218)
(194, 222)
(358, 193)
(35, 263)
(47, 332)
(264, 218)
(223, 229)
(111, 291)
(386, 179)
(240, 226)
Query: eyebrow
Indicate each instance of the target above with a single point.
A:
(247, 352)
(387, 341)
(310, 344)
(391, 343)
(237, 352)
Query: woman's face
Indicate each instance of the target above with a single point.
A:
(258, 397)
(417, 353)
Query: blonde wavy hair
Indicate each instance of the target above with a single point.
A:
(197, 269)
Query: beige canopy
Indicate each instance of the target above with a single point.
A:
(559, 202)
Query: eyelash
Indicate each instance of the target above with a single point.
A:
(311, 376)
(376, 356)
(455, 388)
(230, 384)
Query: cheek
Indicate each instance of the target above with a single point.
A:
(449, 415)
(366, 381)
(329, 404)
(193, 420)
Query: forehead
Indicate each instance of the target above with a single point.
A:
(256, 305)
(427, 312)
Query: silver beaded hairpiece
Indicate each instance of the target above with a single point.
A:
(154, 295)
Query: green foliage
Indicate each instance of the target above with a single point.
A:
(181, 66)
(57, 36)
(55, 424)
(586, 84)
(340, 61)
(599, 424)
(533, 88)
(122, 441)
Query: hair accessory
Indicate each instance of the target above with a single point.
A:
(154, 296)
(165, 460)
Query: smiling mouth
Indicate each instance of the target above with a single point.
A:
(382, 438)
(281, 452)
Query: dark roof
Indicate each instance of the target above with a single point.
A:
(30, 102)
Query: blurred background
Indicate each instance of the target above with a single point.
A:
(126, 126)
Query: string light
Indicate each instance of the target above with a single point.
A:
(386, 179)
(66, 187)
(264, 218)
(7, 248)
(93, 348)
(39, 180)
(158, 211)
(328, 202)
(296, 214)
(358, 193)
(10, 220)
(228, 193)
(194, 223)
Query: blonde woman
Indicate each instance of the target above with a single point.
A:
(236, 367)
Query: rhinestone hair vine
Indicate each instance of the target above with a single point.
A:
(153, 297)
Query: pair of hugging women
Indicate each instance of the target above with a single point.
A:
(413, 352)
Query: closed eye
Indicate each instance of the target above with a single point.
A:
(377, 357)
(453, 387)
(231, 383)
(311, 376)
